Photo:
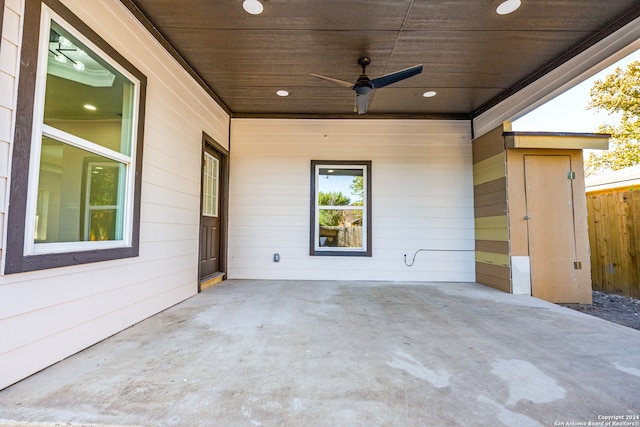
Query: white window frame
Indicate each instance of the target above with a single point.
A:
(40, 129)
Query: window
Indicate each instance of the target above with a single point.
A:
(341, 208)
(210, 185)
(83, 106)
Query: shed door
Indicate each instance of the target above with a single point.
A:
(552, 240)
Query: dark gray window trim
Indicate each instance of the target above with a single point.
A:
(312, 228)
(16, 261)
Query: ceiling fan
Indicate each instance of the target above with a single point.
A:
(364, 85)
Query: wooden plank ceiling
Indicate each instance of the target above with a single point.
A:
(472, 56)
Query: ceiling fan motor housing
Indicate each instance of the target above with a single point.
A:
(363, 85)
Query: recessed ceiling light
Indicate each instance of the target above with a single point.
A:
(253, 7)
(430, 94)
(90, 107)
(508, 6)
(282, 93)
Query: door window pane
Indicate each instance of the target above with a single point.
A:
(210, 184)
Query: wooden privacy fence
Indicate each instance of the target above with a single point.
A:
(343, 236)
(614, 237)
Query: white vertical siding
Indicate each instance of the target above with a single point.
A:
(422, 198)
(51, 314)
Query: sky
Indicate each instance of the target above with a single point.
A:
(568, 111)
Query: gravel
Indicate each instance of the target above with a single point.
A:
(612, 307)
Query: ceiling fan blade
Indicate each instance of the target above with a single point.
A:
(362, 102)
(331, 79)
(396, 77)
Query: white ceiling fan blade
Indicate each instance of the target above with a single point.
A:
(331, 79)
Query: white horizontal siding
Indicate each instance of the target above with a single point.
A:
(48, 315)
(9, 63)
(422, 198)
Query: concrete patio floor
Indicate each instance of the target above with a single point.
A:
(265, 353)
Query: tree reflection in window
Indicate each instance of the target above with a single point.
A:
(340, 214)
(102, 210)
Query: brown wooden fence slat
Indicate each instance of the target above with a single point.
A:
(634, 237)
(614, 240)
(596, 275)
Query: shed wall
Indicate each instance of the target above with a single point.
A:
(493, 267)
(422, 198)
(51, 314)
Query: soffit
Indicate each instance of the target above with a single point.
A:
(472, 56)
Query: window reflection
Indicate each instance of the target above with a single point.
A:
(81, 192)
(85, 96)
(70, 208)
(340, 198)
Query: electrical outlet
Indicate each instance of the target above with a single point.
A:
(276, 257)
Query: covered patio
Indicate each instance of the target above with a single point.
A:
(330, 353)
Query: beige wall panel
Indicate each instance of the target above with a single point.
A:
(503, 285)
(21, 330)
(491, 198)
(492, 258)
(491, 222)
(492, 210)
(489, 169)
(121, 292)
(497, 234)
(495, 186)
(422, 198)
(492, 246)
(488, 145)
(492, 228)
(11, 22)
(494, 276)
(492, 270)
(7, 88)
(24, 361)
